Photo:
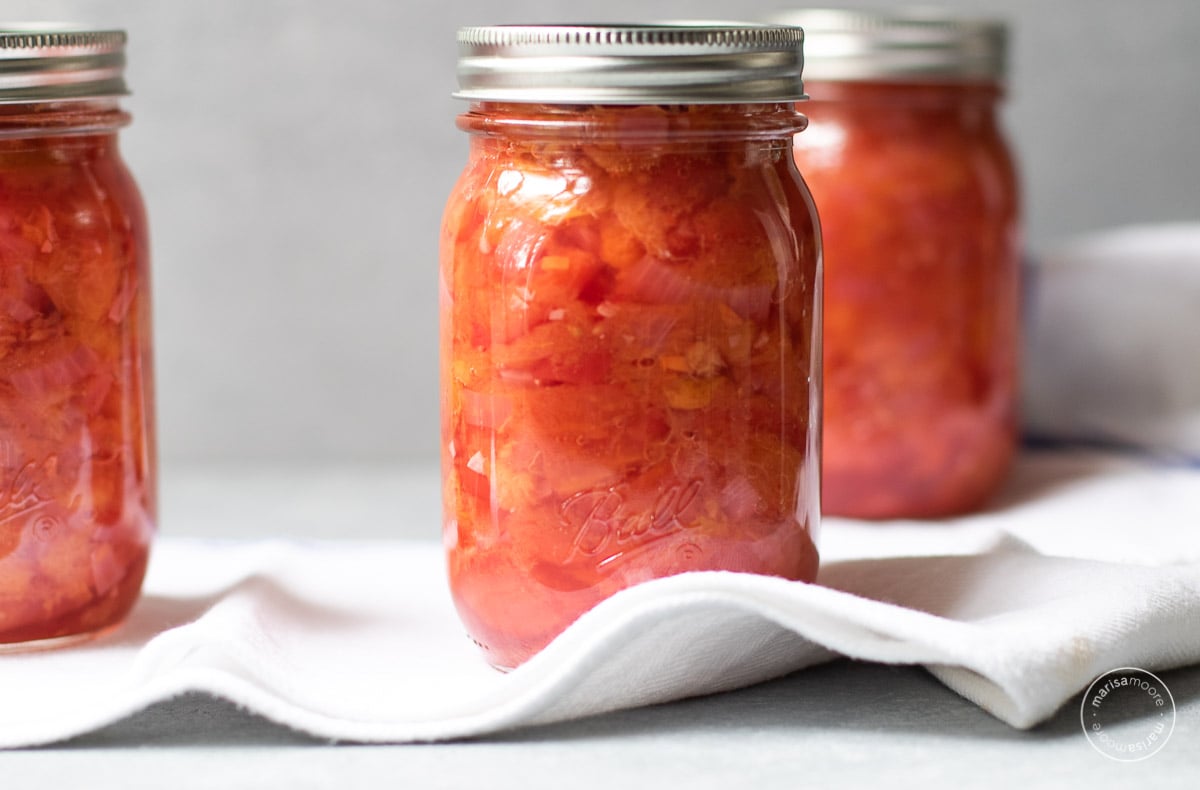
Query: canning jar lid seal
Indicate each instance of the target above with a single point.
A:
(678, 63)
(49, 62)
(906, 45)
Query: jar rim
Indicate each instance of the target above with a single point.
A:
(635, 125)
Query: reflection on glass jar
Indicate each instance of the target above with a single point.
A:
(630, 344)
(919, 209)
(76, 429)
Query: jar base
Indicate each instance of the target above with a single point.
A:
(57, 642)
(882, 491)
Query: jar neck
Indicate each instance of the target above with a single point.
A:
(652, 125)
(59, 119)
(933, 96)
(969, 107)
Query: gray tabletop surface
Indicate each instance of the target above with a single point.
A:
(841, 725)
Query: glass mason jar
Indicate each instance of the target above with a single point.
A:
(630, 297)
(76, 431)
(918, 200)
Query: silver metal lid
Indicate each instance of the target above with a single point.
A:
(54, 63)
(700, 63)
(879, 45)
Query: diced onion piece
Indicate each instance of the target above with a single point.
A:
(656, 282)
(738, 499)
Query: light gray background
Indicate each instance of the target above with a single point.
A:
(295, 157)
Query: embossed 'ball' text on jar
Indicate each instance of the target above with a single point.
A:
(76, 430)
(918, 199)
(630, 301)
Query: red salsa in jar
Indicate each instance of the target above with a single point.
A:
(76, 433)
(630, 330)
(918, 200)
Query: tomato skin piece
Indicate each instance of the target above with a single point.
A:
(920, 213)
(630, 362)
(77, 470)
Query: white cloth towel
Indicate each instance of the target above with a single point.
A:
(1112, 328)
(1088, 563)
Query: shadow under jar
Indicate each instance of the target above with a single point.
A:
(918, 200)
(630, 291)
(76, 434)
